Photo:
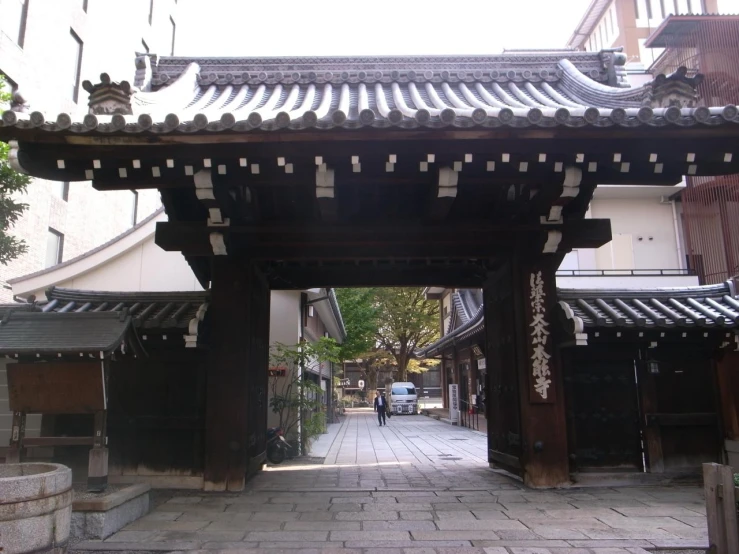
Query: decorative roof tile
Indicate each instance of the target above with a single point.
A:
(189, 95)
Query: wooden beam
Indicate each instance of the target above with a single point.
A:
(368, 275)
(29, 442)
(443, 194)
(342, 136)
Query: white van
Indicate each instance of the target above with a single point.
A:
(403, 398)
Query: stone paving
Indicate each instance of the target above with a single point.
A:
(416, 486)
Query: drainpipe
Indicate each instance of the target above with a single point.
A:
(676, 227)
(301, 369)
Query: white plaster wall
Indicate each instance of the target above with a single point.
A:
(284, 327)
(143, 268)
(631, 220)
(284, 322)
(626, 282)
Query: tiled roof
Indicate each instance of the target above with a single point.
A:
(518, 89)
(468, 310)
(72, 321)
(713, 306)
(164, 310)
(26, 332)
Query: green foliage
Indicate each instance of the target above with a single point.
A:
(398, 320)
(736, 479)
(314, 425)
(359, 311)
(292, 396)
(12, 183)
(371, 363)
(407, 322)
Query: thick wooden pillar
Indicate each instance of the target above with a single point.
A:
(527, 427)
(17, 434)
(727, 368)
(727, 371)
(237, 373)
(97, 468)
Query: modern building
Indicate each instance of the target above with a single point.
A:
(627, 24)
(66, 42)
(661, 37)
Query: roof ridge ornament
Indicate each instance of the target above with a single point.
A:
(614, 60)
(108, 98)
(144, 71)
(675, 89)
(18, 103)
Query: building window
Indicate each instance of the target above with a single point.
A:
(76, 54)
(14, 14)
(134, 207)
(174, 33)
(54, 247)
(151, 11)
(636, 8)
(61, 189)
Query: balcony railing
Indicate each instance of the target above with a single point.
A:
(624, 272)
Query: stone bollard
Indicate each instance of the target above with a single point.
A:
(35, 508)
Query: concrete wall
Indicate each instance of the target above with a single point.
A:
(112, 32)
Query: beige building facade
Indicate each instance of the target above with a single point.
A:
(628, 23)
(47, 49)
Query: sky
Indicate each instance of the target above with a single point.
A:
(376, 27)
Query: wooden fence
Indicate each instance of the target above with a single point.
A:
(721, 509)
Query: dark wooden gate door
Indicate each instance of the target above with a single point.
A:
(503, 409)
(602, 409)
(258, 364)
(680, 408)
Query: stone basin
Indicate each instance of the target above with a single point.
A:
(35, 508)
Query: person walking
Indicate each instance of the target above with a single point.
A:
(380, 406)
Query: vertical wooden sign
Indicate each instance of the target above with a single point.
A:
(539, 339)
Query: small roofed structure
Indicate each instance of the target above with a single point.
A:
(103, 347)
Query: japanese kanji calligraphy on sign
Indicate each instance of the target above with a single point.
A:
(539, 332)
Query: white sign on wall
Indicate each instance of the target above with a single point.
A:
(454, 403)
(360, 384)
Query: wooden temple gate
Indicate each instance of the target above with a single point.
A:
(462, 172)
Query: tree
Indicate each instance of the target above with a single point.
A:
(407, 321)
(359, 312)
(371, 363)
(12, 183)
